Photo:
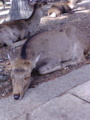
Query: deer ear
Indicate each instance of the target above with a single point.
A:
(12, 56)
(9, 56)
(34, 62)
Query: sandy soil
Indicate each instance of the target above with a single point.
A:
(80, 18)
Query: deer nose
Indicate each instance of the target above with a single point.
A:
(16, 96)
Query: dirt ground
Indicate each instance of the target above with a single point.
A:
(80, 18)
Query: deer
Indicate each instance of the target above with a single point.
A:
(18, 30)
(59, 8)
(47, 52)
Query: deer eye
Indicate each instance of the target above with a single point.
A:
(27, 78)
(19, 70)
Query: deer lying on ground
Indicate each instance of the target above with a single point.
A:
(62, 7)
(47, 52)
(17, 30)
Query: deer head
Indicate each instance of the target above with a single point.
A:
(21, 75)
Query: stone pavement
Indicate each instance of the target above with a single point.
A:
(65, 98)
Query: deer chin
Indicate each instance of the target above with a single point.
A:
(19, 96)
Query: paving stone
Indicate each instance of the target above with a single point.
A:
(67, 107)
(82, 91)
(36, 97)
(11, 109)
(62, 84)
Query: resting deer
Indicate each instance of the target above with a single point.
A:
(47, 52)
(62, 7)
(17, 30)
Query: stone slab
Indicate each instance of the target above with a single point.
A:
(62, 84)
(36, 97)
(67, 107)
(82, 91)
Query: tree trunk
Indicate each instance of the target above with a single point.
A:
(19, 9)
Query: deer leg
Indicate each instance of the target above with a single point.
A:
(49, 67)
(68, 63)
(74, 61)
(77, 56)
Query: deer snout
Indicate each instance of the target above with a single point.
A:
(16, 96)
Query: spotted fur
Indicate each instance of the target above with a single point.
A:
(17, 30)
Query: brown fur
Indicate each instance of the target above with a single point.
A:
(62, 7)
(48, 52)
(17, 30)
(20, 76)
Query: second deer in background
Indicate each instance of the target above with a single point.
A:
(62, 7)
(18, 30)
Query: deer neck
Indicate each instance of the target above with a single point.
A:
(34, 20)
(72, 3)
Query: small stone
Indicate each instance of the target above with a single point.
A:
(4, 77)
(66, 68)
(3, 94)
(1, 69)
(0, 85)
(6, 83)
